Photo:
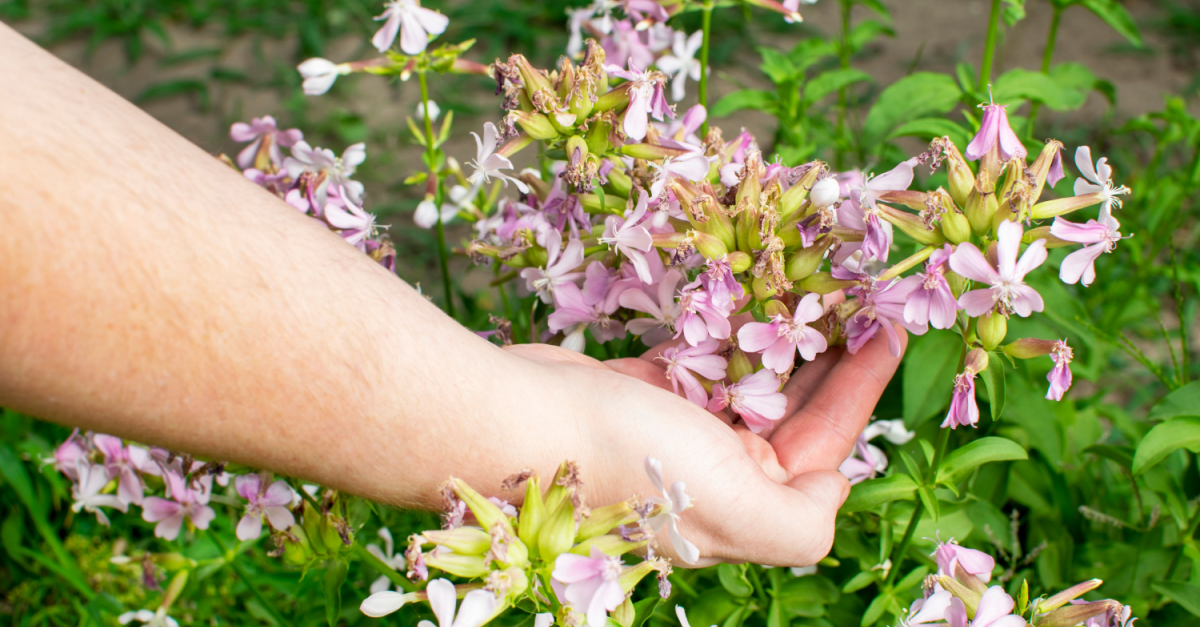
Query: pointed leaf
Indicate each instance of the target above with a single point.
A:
(977, 453)
(993, 379)
(876, 492)
(1182, 402)
(1165, 439)
(1117, 17)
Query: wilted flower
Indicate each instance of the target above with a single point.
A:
(646, 99)
(414, 23)
(963, 409)
(1060, 374)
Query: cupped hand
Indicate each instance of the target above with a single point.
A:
(768, 498)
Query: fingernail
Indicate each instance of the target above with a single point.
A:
(845, 494)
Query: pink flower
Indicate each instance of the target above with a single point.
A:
(414, 24)
(124, 463)
(575, 315)
(185, 503)
(646, 98)
(756, 398)
(1060, 374)
(255, 132)
(266, 501)
(931, 610)
(780, 339)
(1080, 266)
(591, 584)
(864, 462)
(995, 610)
(338, 170)
(629, 239)
(671, 504)
(1007, 291)
(882, 307)
(693, 167)
(661, 323)
(625, 44)
(488, 164)
(963, 409)
(559, 268)
(73, 449)
(701, 318)
(931, 300)
(682, 362)
(992, 130)
(1098, 181)
(861, 213)
(355, 225)
(87, 491)
(950, 556)
(718, 280)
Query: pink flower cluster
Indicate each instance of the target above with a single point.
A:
(108, 473)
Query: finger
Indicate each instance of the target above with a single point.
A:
(760, 451)
(553, 354)
(807, 379)
(648, 371)
(822, 433)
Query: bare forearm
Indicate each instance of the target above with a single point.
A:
(148, 290)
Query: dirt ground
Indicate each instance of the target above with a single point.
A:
(941, 32)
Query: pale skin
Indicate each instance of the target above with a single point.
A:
(151, 292)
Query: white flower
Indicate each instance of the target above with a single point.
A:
(1098, 180)
(414, 24)
(681, 62)
(434, 111)
(388, 556)
(670, 503)
(319, 75)
(151, 619)
(488, 164)
(824, 192)
(804, 571)
(426, 215)
(86, 491)
(892, 430)
(477, 608)
(338, 170)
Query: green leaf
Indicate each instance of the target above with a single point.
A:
(1019, 84)
(809, 52)
(180, 87)
(1182, 402)
(930, 501)
(860, 581)
(642, 610)
(977, 453)
(813, 588)
(335, 576)
(1014, 11)
(928, 128)
(777, 66)
(1165, 439)
(993, 378)
(1187, 596)
(827, 83)
(914, 96)
(733, 579)
(876, 609)
(1117, 17)
(744, 99)
(1122, 455)
(928, 377)
(926, 448)
(875, 492)
(910, 465)
(912, 579)
(775, 615)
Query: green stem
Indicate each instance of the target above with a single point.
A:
(706, 27)
(1047, 56)
(843, 95)
(395, 577)
(231, 559)
(898, 553)
(430, 156)
(989, 47)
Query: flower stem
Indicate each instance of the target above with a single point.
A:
(844, 57)
(1047, 55)
(706, 27)
(989, 47)
(395, 577)
(898, 553)
(430, 155)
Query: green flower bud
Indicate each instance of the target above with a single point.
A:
(604, 520)
(312, 528)
(620, 183)
(791, 200)
(615, 100)
(913, 226)
(824, 283)
(462, 540)
(991, 328)
(802, 263)
(979, 209)
(1063, 206)
(467, 566)
(558, 532)
(1078, 614)
(533, 512)
(739, 365)
(969, 597)
(961, 179)
(486, 512)
(1029, 348)
(597, 134)
(739, 261)
(651, 152)
(535, 124)
(608, 544)
(762, 291)
(624, 614)
(1068, 595)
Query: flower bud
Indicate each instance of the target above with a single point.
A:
(762, 288)
(1079, 614)
(805, 261)
(608, 544)
(486, 512)
(739, 262)
(976, 361)
(651, 152)
(297, 553)
(597, 134)
(1063, 206)
(510, 583)
(913, 226)
(750, 188)
(176, 561)
(620, 183)
(558, 532)
(592, 203)
(979, 209)
(1042, 167)
(624, 614)
(535, 124)
(739, 365)
(1029, 348)
(631, 575)
(793, 199)
(312, 529)
(1068, 595)
(824, 283)
(605, 519)
(330, 535)
(533, 512)
(532, 79)
(462, 540)
(969, 597)
(960, 178)
(955, 225)
(616, 99)
(825, 192)
(991, 328)
(177, 584)
(710, 246)
(467, 566)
